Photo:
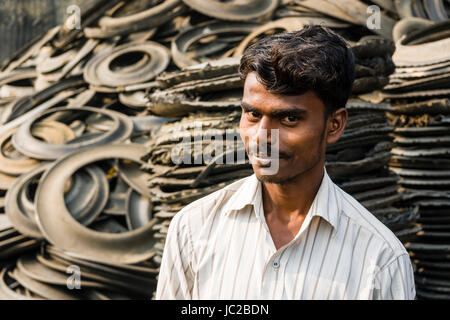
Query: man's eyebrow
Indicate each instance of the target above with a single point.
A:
(248, 108)
(296, 111)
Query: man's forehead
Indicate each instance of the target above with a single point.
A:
(257, 98)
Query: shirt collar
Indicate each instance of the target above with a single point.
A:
(247, 194)
(326, 203)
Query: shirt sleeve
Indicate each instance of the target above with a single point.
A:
(395, 281)
(176, 277)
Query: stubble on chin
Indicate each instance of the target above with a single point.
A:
(274, 179)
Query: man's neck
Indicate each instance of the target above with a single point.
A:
(293, 199)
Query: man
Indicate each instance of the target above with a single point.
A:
(289, 233)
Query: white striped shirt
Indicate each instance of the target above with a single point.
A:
(220, 247)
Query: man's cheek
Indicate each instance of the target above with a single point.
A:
(246, 135)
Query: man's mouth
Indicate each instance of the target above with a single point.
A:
(264, 159)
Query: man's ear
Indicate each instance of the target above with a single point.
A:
(336, 124)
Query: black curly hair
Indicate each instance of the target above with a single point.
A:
(292, 63)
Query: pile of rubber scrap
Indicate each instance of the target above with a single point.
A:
(72, 120)
(358, 162)
(419, 91)
(69, 162)
(190, 157)
(79, 188)
(57, 275)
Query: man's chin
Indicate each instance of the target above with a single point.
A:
(269, 178)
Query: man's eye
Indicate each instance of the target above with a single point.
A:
(290, 119)
(253, 115)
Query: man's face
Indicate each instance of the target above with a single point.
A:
(301, 127)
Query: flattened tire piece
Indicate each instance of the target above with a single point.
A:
(404, 8)
(421, 54)
(238, 11)
(27, 144)
(63, 231)
(48, 291)
(142, 17)
(16, 166)
(181, 43)
(287, 24)
(21, 221)
(30, 266)
(435, 10)
(7, 293)
(407, 25)
(84, 210)
(97, 71)
(42, 96)
(139, 210)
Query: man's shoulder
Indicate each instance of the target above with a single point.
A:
(370, 224)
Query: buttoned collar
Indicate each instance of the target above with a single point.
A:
(326, 203)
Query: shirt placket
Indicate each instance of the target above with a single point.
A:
(274, 268)
(273, 273)
(272, 285)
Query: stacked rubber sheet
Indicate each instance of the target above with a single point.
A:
(358, 163)
(419, 91)
(54, 274)
(190, 157)
(422, 62)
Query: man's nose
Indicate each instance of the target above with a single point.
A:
(263, 134)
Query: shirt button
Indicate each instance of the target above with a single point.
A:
(276, 264)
